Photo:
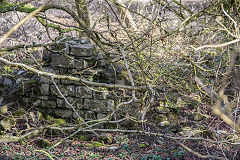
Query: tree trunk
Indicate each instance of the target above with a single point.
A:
(83, 14)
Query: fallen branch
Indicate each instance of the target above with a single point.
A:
(198, 154)
(71, 78)
(162, 135)
(20, 46)
(217, 45)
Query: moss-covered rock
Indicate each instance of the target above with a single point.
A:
(142, 145)
(3, 109)
(7, 123)
(56, 121)
(83, 137)
(164, 123)
(94, 144)
(107, 138)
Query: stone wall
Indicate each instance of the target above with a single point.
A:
(77, 58)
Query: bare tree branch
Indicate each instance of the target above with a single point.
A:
(71, 78)
(15, 28)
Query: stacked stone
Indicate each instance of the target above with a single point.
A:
(73, 58)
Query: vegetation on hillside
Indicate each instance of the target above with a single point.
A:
(181, 65)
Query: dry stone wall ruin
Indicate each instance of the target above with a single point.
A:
(75, 57)
(72, 58)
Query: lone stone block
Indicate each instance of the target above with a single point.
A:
(87, 115)
(49, 104)
(79, 103)
(44, 89)
(80, 64)
(63, 113)
(99, 105)
(83, 92)
(82, 50)
(61, 103)
(44, 79)
(66, 90)
(62, 61)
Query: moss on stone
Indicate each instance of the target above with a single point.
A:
(94, 144)
(7, 123)
(83, 138)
